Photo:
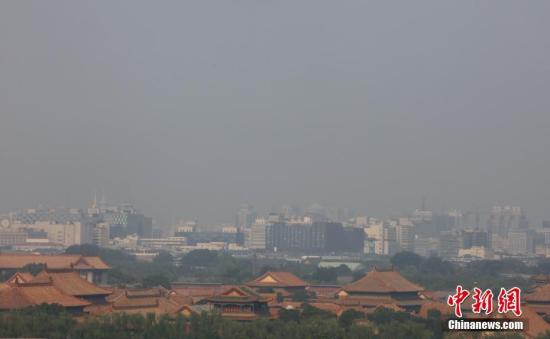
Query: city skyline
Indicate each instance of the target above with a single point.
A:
(194, 108)
(282, 169)
(252, 212)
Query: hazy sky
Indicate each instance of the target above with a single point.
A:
(190, 108)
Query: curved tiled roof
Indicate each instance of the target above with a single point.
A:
(199, 289)
(237, 294)
(277, 279)
(143, 301)
(540, 294)
(28, 294)
(20, 277)
(382, 281)
(20, 260)
(71, 283)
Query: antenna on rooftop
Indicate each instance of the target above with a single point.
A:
(423, 206)
(94, 203)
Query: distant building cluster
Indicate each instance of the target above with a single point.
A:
(59, 228)
(304, 236)
(504, 231)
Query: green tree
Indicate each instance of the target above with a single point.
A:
(348, 317)
(383, 316)
(300, 295)
(343, 271)
(199, 258)
(289, 315)
(325, 274)
(33, 269)
(403, 259)
(46, 321)
(89, 250)
(404, 329)
(155, 281)
(309, 311)
(164, 258)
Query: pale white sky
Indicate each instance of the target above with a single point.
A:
(188, 109)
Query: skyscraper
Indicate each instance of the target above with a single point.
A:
(245, 216)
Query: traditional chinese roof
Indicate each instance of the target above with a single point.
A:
(28, 294)
(429, 304)
(20, 260)
(143, 301)
(540, 278)
(180, 299)
(382, 281)
(20, 277)
(237, 294)
(199, 289)
(277, 279)
(375, 301)
(539, 294)
(71, 283)
(154, 292)
(390, 306)
(536, 325)
(324, 291)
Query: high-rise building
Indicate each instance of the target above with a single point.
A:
(449, 244)
(289, 211)
(362, 221)
(257, 235)
(66, 234)
(521, 242)
(426, 246)
(503, 219)
(101, 234)
(316, 237)
(125, 220)
(391, 246)
(12, 237)
(405, 235)
(475, 238)
(245, 216)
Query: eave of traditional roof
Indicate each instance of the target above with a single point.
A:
(240, 294)
(277, 279)
(20, 277)
(57, 261)
(540, 294)
(28, 294)
(199, 289)
(536, 324)
(71, 283)
(143, 301)
(382, 281)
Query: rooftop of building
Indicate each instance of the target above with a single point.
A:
(277, 279)
(382, 281)
(199, 289)
(72, 283)
(21, 295)
(54, 261)
(539, 294)
(237, 294)
(156, 300)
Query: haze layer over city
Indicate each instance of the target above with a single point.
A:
(274, 169)
(188, 110)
